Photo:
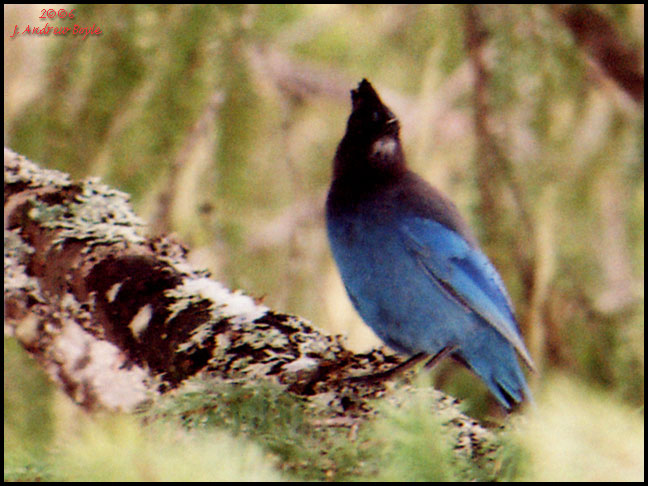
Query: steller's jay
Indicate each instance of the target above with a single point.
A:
(409, 262)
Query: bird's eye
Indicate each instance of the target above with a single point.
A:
(375, 116)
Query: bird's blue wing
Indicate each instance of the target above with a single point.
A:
(465, 274)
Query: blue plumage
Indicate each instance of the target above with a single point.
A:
(410, 264)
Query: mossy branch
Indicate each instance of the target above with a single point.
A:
(117, 318)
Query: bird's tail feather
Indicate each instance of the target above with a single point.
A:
(503, 376)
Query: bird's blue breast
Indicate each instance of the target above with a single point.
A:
(388, 287)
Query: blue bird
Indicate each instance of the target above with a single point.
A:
(410, 264)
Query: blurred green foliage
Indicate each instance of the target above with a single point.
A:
(222, 121)
(292, 430)
(120, 448)
(28, 424)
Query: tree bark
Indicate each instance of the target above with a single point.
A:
(116, 318)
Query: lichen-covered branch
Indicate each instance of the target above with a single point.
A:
(116, 318)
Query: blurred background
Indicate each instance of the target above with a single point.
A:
(221, 122)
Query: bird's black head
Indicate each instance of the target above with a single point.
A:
(371, 146)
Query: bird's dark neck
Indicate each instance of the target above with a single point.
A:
(351, 168)
(350, 188)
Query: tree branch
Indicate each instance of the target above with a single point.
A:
(116, 318)
(603, 43)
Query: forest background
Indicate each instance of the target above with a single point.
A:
(221, 122)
